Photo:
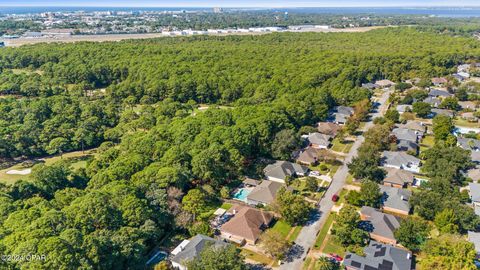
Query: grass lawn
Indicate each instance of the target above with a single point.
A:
(77, 159)
(464, 123)
(306, 265)
(282, 227)
(260, 258)
(333, 247)
(295, 233)
(339, 146)
(342, 195)
(226, 206)
(323, 232)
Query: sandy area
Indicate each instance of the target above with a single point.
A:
(119, 37)
(20, 172)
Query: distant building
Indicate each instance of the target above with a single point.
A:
(217, 10)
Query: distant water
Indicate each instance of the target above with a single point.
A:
(433, 11)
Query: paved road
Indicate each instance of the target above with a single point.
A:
(306, 238)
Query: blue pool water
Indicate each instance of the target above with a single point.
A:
(241, 194)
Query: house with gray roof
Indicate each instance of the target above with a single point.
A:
(342, 113)
(433, 101)
(379, 257)
(401, 160)
(398, 178)
(405, 134)
(318, 140)
(370, 86)
(380, 226)
(419, 127)
(474, 192)
(448, 113)
(474, 238)
(281, 169)
(264, 193)
(190, 249)
(402, 108)
(396, 200)
(384, 83)
(407, 146)
(439, 93)
(470, 144)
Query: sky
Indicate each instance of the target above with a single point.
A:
(240, 3)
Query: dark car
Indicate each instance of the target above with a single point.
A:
(335, 198)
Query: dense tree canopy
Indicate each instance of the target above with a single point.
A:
(164, 160)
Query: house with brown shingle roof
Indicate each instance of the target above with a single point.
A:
(328, 128)
(246, 225)
(398, 178)
(309, 156)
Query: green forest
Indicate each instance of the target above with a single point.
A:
(162, 163)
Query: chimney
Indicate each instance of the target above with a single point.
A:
(409, 256)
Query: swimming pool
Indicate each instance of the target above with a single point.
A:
(242, 194)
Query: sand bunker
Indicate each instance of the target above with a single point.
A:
(20, 172)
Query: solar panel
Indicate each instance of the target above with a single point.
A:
(356, 264)
(380, 253)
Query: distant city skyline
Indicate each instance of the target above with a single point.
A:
(244, 3)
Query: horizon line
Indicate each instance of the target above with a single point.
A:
(244, 7)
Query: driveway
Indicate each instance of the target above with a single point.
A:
(306, 238)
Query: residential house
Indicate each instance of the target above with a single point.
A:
(408, 146)
(439, 93)
(414, 81)
(474, 238)
(461, 76)
(398, 178)
(401, 160)
(342, 113)
(319, 140)
(379, 257)
(406, 139)
(463, 68)
(309, 156)
(469, 116)
(384, 83)
(448, 113)
(470, 144)
(264, 193)
(404, 108)
(468, 105)
(249, 182)
(328, 128)
(474, 189)
(439, 81)
(419, 127)
(474, 174)
(433, 101)
(381, 226)
(395, 200)
(370, 86)
(246, 225)
(190, 249)
(406, 134)
(281, 169)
